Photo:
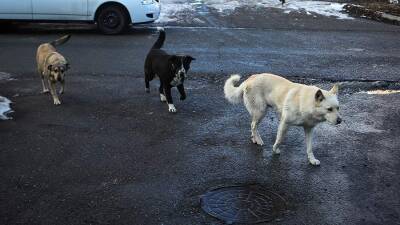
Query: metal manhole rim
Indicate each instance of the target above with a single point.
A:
(282, 202)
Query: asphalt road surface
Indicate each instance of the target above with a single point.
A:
(113, 154)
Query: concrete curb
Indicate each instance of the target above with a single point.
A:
(361, 11)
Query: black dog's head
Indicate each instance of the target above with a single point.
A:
(180, 65)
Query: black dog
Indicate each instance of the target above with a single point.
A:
(171, 69)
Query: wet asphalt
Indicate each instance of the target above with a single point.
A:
(113, 154)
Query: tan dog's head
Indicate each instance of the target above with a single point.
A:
(327, 105)
(57, 72)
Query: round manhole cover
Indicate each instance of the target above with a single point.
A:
(243, 204)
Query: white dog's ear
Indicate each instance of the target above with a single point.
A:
(335, 89)
(319, 97)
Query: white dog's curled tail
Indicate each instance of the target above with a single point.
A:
(233, 94)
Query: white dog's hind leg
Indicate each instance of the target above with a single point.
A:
(257, 114)
(308, 132)
(280, 135)
(255, 136)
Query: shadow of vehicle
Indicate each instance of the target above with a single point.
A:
(72, 28)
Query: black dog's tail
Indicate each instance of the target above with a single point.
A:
(61, 40)
(160, 41)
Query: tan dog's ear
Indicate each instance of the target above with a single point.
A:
(319, 97)
(335, 89)
(50, 67)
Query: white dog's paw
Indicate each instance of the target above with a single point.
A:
(57, 102)
(171, 108)
(163, 98)
(276, 150)
(253, 139)
(314, 161)
(45, 91)
(257, 140)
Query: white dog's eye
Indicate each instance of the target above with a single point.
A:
(330, 109)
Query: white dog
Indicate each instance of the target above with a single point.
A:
(296, 104)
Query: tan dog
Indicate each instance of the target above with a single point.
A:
(296, 104)
(52, 66)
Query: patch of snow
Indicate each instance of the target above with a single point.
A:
(5, 108)
(5, 76)
(355, 49)
(171, 10)
(382, 92)
(323, 8)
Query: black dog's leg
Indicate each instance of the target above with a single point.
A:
(167, 91)
(148, 76)
(181, 90)
(147, 85)
(161, 90)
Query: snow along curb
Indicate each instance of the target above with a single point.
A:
(360, 11)
(5, 108)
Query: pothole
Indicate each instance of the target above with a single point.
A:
(243, 204)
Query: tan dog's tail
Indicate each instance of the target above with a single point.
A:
(61, 40)
(233, 94)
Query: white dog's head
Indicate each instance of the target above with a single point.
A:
(327, 105)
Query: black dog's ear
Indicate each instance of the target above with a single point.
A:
(319, 97)
(50, 67)
(190, 57)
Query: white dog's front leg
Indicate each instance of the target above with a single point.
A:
(308, 132)
(279, 136)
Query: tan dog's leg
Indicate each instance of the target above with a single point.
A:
(45, 89)
(53, 92)
(280, 135)
(310, 155)
(62, 87)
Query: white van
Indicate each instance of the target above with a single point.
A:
(111, 16)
